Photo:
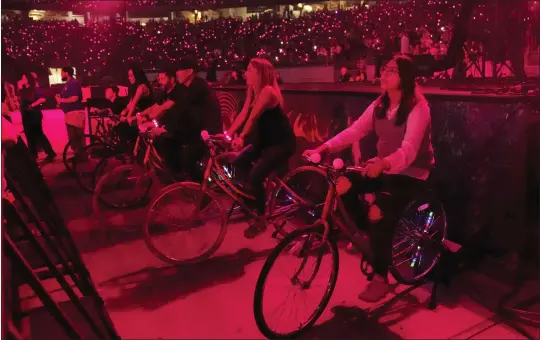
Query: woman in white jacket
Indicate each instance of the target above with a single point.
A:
(402, 122)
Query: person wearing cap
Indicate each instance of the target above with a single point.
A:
(200, 104)
(200, 109)
(188, 109)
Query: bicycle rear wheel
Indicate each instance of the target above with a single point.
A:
(304, 245)
(309, 183)
(84, 168)
(184, 224)
(68, 162)
(123, 187)
(417, 239)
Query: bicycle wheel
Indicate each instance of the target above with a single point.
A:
(303, 245)
(109, 163)
(417, 239)
(124, 187)
(65, 154)
(84, 167)
(309, 183)
(184, 227)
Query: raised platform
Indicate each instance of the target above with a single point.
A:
(465, 91)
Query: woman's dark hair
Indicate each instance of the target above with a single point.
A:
(140, 78)
(407, 76)
(31, 80)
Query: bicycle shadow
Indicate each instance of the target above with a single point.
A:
(151, 288)
(350, 322)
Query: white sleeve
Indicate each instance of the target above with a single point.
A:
(358, 130)
(417, 123)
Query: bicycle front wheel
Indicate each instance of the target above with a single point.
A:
(184, 224)
(302, 255)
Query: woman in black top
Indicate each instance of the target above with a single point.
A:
(269, 131)
(30, 100)
(140, 98)
(139, 92)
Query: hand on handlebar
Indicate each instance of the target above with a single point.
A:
(375, 167)
(238, 143)
(156, 131)
(315, 154)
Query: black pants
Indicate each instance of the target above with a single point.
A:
(393, 193)
(126, 132)
(33, 129)
(181, 157)
(256, 163)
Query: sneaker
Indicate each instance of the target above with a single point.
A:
(256, 228)
(376, 290)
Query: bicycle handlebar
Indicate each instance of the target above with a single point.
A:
(337, 164)
(207, 137)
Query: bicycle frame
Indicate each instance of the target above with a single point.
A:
(151, 160)
(214, 171)
(334, 209)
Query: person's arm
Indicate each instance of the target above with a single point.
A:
(9, 135)
(141, 90)
(418, 122)
(73, 94)
(158, 110)
(149, 110)
(354, 133)
(241, 117)
(40, 99)
(267, 98)
(71, 99)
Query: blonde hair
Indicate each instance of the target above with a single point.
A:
(267, 74)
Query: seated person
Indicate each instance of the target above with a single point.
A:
(140, 98)
(115, 104)
(269, 132)
(197, 108)
(200, 104)
(168, 141)
(402, 122)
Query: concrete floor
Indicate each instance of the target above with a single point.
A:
(147, 298)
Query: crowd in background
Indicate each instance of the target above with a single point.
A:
(350, 38)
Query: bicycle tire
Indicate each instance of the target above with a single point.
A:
(206, 254)
(96, 200)
(89, 185)
(68, 146)
(259, 288)
(100, 170)
(418, 201)
(272, 206)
